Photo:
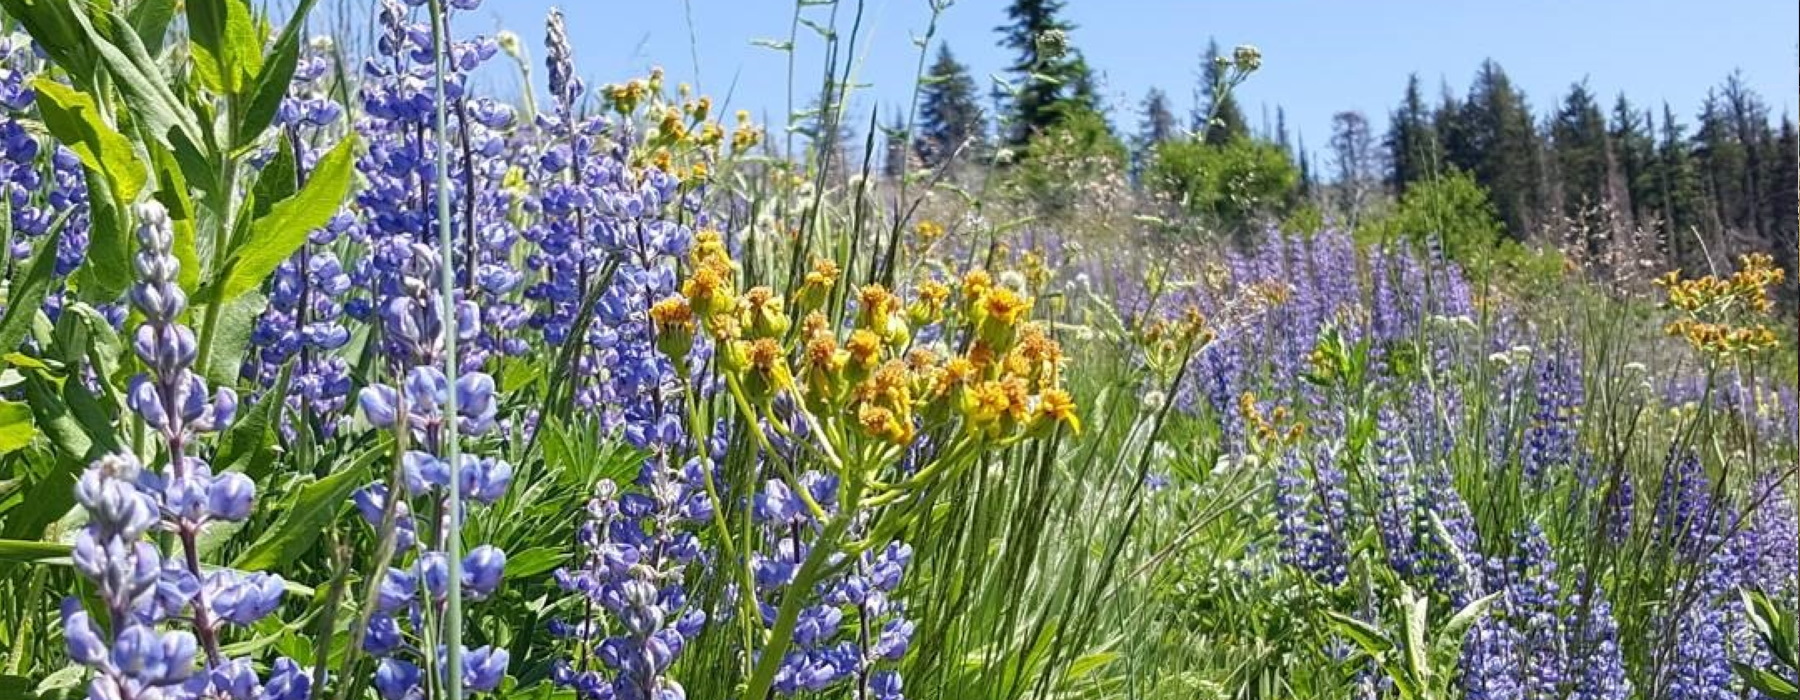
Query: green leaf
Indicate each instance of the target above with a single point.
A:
(54, 25)
(115, 176)
(271, 82)
(311, 510)
(1767, 682)
(148, 92)
(1370, 638)
(231, 338)
(28, 293)
(248, 445)
(1449, 639)
(277, 181)
(16, 426)
(150, 19)
(284, 229)
(30, 552)
(534, 561)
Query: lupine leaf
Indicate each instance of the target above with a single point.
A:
(1766, 682)
(270, 84)
(150, 19)
(308, 513)
(284, 229)
(28, 293)
(245, 446)
(53, 24)
(231, 338)
(114, 174)
(16, 426)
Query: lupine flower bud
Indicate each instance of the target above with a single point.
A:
(396, 679)
(85, 646)
(230, 497)
(482, 570)
(241, 599)
(380, 405)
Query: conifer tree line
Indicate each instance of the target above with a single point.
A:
(1579, 173)
(1699, 191)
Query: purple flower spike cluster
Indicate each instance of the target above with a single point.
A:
(303, 323)
(418, 591)
(142, 591)
(635, 551)
(855, 625)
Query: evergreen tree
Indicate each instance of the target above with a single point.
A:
(1227, 119)
(1583, 160)
(1412, 140)
(1784, 206)
(1046, 73)
(1281, 130)
(1493, 137)
(893, 162)
(1157, 123)
(1634, 149)
(1680, 197)
(1306, 186)
(950, 116)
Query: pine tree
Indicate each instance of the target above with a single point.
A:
(1493, 137)
(1046, 72)
(1158, 123)
(1281, 130)
(1680, 195)
(1581, 152)
(1412, 140)
(1634, 149)
(1227, 118)
(1784, 206)
(950, 116)
(1307, 185)
(893, 162)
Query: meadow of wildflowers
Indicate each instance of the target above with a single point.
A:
(328, 377)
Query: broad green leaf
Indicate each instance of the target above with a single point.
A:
(231, 338)
(1767, 682)
(54, 25)
(150, 19)
(1450, 638)
(16, 426)
(1368, 637)
(284, 229)
(28, 292)
(248, 445)
(115, 176)
(271, 82)
(534, 561)
(148, 92)
(277, 181)
(310, 511)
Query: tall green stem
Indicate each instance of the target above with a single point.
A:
(452, 540)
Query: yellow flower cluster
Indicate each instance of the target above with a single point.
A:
(1275, 428)
(1006, 383)
(684, 140)
(1719, 315)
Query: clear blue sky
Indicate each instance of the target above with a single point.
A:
(1320, 56)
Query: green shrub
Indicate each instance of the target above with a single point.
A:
(1230, 187)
